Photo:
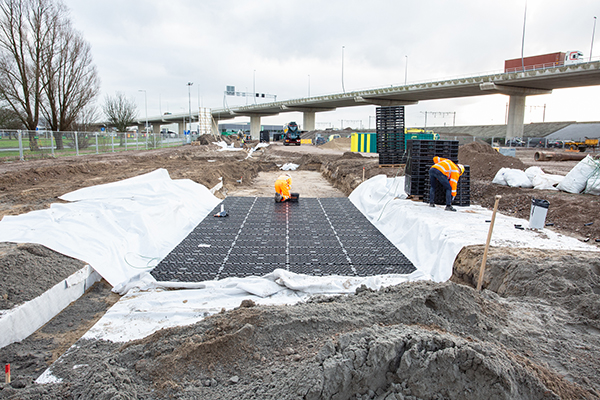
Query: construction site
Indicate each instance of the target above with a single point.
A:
(195, 284)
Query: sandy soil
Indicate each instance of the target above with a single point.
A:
(532, 333)
(307, 183)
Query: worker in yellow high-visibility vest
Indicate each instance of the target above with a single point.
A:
(446, 173)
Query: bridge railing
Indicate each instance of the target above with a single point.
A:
(27, 145)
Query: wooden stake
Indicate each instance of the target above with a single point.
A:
(487, 244)
(363, 174)
(7, 373)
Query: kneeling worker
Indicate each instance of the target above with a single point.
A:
(283, 185)
(445, 173)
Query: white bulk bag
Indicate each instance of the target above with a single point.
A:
(593, 183)
(517, 178)
(577, 178)
(499, 178)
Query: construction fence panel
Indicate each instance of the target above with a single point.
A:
(30, 145)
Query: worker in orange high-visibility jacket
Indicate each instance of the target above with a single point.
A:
(283, 185)
(446, 173)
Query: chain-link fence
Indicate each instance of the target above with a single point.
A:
(26, 145)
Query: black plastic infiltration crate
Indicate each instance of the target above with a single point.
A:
(314, 236)
(390, 135)
(463, 191)
(419, 154)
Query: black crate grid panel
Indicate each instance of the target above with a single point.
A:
(390, 135)
(317, 237)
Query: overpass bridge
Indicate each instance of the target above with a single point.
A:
(516, 85)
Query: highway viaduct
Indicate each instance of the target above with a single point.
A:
(516, 85)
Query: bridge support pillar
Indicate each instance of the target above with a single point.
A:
(180, 128)
(255, 127)
(308, 121)
(516, 116)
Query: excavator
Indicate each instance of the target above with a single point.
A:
(291, 134)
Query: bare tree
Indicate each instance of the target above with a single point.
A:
(45, 65)
(71, 80)
(87, 118)
(24, 31)
(120, 111)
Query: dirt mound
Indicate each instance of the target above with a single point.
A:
(484, 161)
(338, 144)
(206, 139)
(20, 266)
(350, 155)
(419, 339)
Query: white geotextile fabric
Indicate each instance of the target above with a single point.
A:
(118, 228)
(432, 237)
(147, 307)
(21, 321)
(289, 167)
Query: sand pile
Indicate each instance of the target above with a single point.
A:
(338, 144)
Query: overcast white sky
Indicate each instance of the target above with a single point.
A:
(159, 46)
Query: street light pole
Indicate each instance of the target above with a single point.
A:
(405, 70)
(523, 40)
(254, 86)
(189, 85)
(593, 34)
(343, 89)
(146, 107)
(309, 85)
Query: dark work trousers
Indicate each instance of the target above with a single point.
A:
(437, 177)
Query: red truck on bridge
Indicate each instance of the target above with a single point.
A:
(543, 61)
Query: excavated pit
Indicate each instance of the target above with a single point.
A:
(533, 333)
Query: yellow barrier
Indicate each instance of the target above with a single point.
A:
(305, 141)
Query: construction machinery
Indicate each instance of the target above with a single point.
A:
(581, 145)
(291, 134)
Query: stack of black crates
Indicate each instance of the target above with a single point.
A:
(390, 135)
(420, 155)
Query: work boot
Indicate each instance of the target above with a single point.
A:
(450, 208)
(278, 198)
(431, 205)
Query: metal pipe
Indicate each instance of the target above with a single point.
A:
(552, 156)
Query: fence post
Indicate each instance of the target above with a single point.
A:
(112, 141)
(20, 146)
(96, 134)
(125, 134)
(76, 143)
(52, 144)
